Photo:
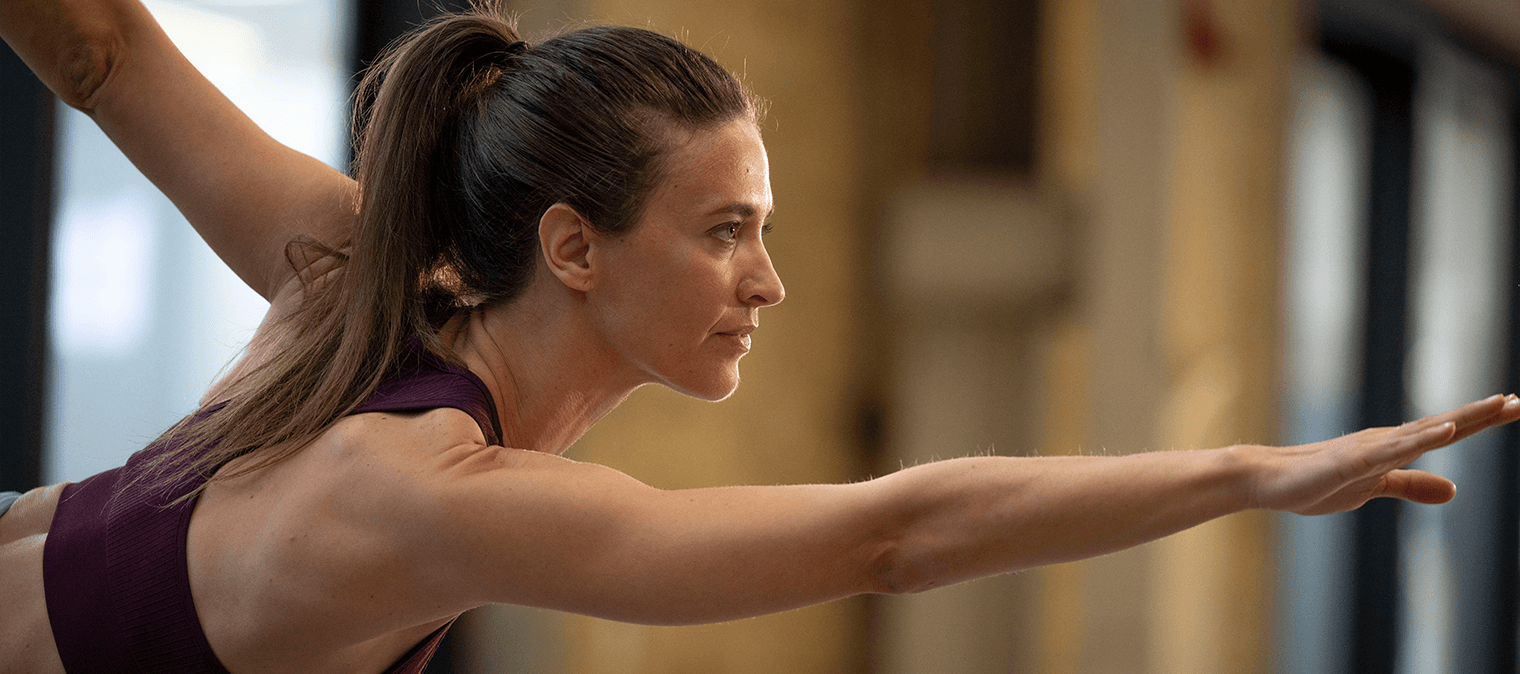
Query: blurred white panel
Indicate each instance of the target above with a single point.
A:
(1326, 248)
(219, 46)
(1324, 256)
(1458, 304)
(103, 260)
(1460, 237)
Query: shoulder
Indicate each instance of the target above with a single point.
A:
(409, 435)
(351, 475)
(342, 509)
(373, 459)
(397, 468)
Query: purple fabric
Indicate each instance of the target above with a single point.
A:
(79, 601)
(115, 572)
(424, 381)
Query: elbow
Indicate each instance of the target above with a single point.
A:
(83, 70)
(895, 570)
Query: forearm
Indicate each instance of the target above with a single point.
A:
(734, 552)
(950, 521)
(966, 518)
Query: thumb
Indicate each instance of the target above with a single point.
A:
(1417, 486)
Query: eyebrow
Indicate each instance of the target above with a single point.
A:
(740, 209)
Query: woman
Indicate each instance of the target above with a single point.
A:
(536, 230)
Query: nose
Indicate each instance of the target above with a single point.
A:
(761, 285)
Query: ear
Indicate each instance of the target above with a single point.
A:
(565, 239)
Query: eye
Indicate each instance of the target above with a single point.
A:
(765, 229)
(727, 231)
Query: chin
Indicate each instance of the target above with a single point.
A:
(715, 387)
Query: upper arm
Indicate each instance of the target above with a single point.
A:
(522, 527)
(245, 193)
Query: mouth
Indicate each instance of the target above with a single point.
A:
(741, 331)
(739, 336)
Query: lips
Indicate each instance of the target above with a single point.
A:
(741, 331)
(739, 335)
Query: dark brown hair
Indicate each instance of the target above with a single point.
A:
(467, 136)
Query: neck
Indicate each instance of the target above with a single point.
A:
(548, 375)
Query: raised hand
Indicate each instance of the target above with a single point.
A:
(1343, 473)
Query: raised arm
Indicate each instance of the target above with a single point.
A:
(246, 194)
(521, 527)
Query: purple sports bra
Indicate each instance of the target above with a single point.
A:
(115, 571)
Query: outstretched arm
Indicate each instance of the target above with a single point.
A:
(246, 194)
(521, 527)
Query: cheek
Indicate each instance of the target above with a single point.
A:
(675, 297)
(691, 297)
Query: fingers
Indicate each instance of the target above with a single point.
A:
(1474, 415)
(1417, 486)
(1409, 442)
(1468, 419)
(1438, 430)
(1371, 463)
(1466, 415)
(1509, 411)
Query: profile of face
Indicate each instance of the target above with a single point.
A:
(678, 295)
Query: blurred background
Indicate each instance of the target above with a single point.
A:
(1020, 227)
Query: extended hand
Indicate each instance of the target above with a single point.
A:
(1343, 473)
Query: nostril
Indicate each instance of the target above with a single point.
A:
(763, 289)
(768, 298)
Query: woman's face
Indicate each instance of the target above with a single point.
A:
(679, 294)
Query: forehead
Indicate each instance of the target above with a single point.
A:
(723, 169)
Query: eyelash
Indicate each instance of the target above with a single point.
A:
(730, 231)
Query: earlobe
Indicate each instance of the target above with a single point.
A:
(565, 239)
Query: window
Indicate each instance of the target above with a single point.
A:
(1401, 259)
